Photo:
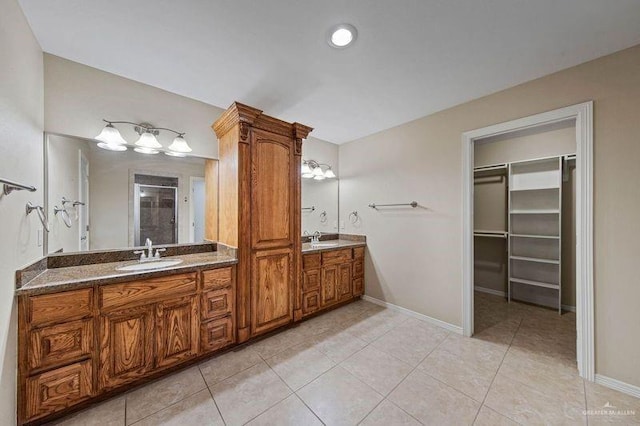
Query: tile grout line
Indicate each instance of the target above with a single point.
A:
(211, 393)
(385, 397)
(496, 375)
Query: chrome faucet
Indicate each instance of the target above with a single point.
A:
(315, 239)
(149, 256)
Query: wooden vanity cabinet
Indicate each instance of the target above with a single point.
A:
(76, 345)
(331, 277)
(259, 197)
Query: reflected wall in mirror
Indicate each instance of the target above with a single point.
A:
(119, 199)
(320, 197)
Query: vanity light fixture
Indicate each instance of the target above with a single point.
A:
(147, 143)
(111, 139)
(311, 169)
(341, 36)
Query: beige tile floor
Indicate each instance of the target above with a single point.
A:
(362, 364)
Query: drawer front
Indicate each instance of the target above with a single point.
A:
(217, 303)
(311, 261)
(216, 278)
(310, 302)
(60, 344)
(336, 256)
(358, 286)
(58, 389)
(136, 293)
(311, 280)
(216, 334)
(358, 253)
(358, 268)
(60, 307)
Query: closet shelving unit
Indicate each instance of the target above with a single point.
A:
(498, 171)
(535, 221)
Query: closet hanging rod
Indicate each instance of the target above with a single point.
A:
(10, 186)
(413, 204)
(491, 234)
(489, 168)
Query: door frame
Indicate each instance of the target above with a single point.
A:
(82, 159)
(583, 115)
(192, 212)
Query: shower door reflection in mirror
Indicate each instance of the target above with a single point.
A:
(155, 209)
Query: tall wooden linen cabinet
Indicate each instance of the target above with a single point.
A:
(259, 213)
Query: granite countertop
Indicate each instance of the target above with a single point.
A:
(340, 243)
(68, 278)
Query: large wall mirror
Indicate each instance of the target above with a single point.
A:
(99, 199)
(320, 196)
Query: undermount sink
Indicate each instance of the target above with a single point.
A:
(321, 245)
(158, 264)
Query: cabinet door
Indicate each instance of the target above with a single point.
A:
(329, 285)
(272, 190)
(176, 330)
(271, 289)
(344, 281)
(126, 345)
(358, 286)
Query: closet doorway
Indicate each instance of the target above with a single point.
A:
(528, 235)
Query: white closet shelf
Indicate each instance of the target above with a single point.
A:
(490, 234)
(546, 237)
(535, 283)
(536, 259)
(534, 211)
(541, 188)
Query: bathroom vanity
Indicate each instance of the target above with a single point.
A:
(95, 323)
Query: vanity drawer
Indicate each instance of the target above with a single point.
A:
(59, 344)
(136, 293)
(217, 278)
(311, 261)
(310, 302)
(217, 303)
(358, 253)
(311, 280)
(336, 256)
(58, 389)
(358, 268)
(216, 334)
(358, 286)
(60, 307)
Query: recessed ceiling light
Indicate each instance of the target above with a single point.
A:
(342, 35)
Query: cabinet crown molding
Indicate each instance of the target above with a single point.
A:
(248, 116)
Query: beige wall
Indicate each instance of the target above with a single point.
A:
(21, 122)
(490, 206)
(78, 97)
(422, 160)
(321, 194)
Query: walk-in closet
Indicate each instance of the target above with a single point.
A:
(524, 226)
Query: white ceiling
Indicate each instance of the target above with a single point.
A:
(412, 57)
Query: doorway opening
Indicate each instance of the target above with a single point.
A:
(524, 248)
(197, 209)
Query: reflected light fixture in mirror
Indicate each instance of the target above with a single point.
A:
(147, 144)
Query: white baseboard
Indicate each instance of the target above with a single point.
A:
(490, 291)
(614, 384)
(568, 308)
(425, 318)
